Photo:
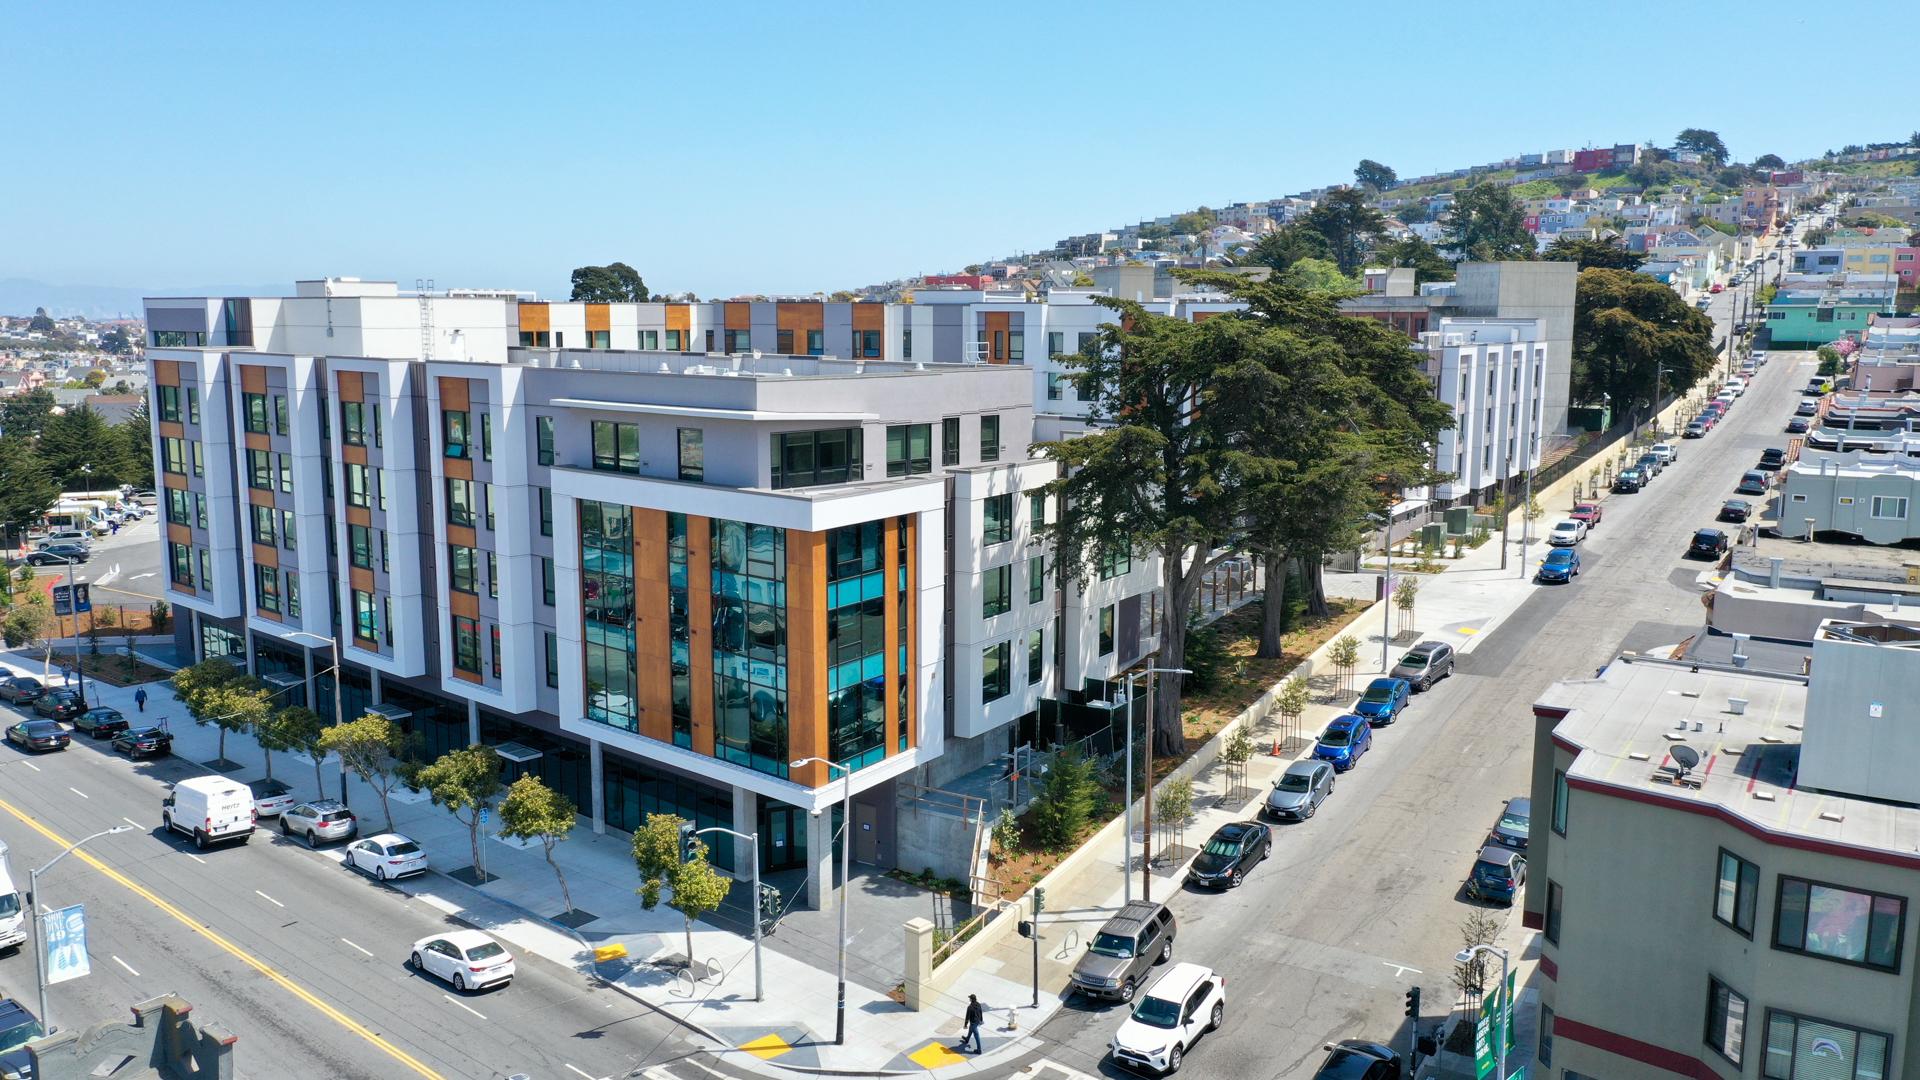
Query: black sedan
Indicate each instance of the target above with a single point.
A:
(1797, 426)
(145, 742)
(100, 722)
(38, 735)
(1707, 544)
(1735, 510)
(1232, 851)
(58, 704)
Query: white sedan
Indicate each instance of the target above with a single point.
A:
(1567, 533)
(468, 959)
(386, 856)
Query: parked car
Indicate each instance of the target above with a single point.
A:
(1566, 533)
(1807, 408)
(1798, 426)
(320, 820)
(1735, 510)
(1124, 949)
(1425, 664)
(58, 555)
(1773, 458)
(1560, 565)
(58, 704)
(38, 735)
(1187, 1002)
(1357, 1059)
(1628, 482)
(1514, 824)
(1817, 386)
(1753, 483)
(21, 689)
(270, 797)
(144, 742)
(1717, 288)
(211, 809)
(1649, 466)
(1734, 387)
(1298, 792)
(387, 856)
(18, 1027)
(1498, 874)
(100, 722)
(1343, 742)
(1232, 851)
(1587, 513)
(76, 537)
(1696, 429)
(1667, 452)
(1707, 544)
(1383, 699)
(469, 959)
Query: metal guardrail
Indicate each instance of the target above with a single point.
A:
(965, 931)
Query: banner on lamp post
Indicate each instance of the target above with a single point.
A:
(65, 934)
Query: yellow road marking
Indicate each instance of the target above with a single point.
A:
(229, 947)
(766, 1047)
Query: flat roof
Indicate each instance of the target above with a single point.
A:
(1624, 725)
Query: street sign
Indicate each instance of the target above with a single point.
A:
(1496, 1012)
(75, 601)
(65, 934)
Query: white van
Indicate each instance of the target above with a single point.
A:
(211, 809)
(13, 924)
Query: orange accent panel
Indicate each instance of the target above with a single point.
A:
(1203, 316)
(253, 378)
(454, 394)
(360, 579)
(653, 630)
(458, 468)
(679, 317)
(352, 385)
(360, 515)
(912, 679)
(179, 534)
(798, 318)
(174, 481)
(807, 654)
(890, 541)
(535, 318)
(739, 316)
(257, 441)
(869, 316)
(599, 318)
(266, 556)
(353, 455)
(465, 605)
(259, 497)
(700, 630)
(171, 429)
(166, 372)
(999, 325)
(462, 535)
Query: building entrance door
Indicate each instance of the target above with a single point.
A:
(783, 837)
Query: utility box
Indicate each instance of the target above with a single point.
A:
(1459, 520)
(1433, 535)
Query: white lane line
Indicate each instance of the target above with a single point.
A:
(77, 791)
(356, 947)
(133, 823)
(581, 1072)
(126, 965)
(1400, 970)
(31, 765)
(137, 577)
(464, 1005)
(196, 858)
(268, 899)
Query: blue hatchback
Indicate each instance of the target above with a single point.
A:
(1382, 701)
(1344, 741)
(1561, 564)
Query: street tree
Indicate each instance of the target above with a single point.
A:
(1235, 753)
(534, 811)
(611, 284)
(1487, 225)
(465, 782)
(1405, 595)
(1287, 245)
(1371, 173)
(1591, 253)
(1175, 808)
(26, 491)
(1319, 275)
(81, 437)
(27, 622)
(219, 694)
(1291, 703)
(1703, 142)
(26, 414)
(1344, 655)
(1348, 225)
(1627, 329)
(693, 887)
(1063, 808)
(370, 748)
(1425, 259)
(296, 729)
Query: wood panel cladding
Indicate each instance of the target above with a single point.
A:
(807, 654)
(179, 534)
(535, 318)
(700, 630)
(352, 385)
(999, 325)
(679, 316)
(253, 378)
(890, 541)
(455, 395)
(800, 318)
(869, 316)
(653, 626)
(171, 429)
(738, 315)
(166, 372)
(599, 317)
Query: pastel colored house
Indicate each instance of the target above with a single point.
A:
(1809, 312)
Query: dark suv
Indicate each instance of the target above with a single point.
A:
(1425, 664)
(1118, 958)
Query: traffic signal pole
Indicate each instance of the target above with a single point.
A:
(687, 833)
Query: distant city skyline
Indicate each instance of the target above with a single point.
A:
(810, 149)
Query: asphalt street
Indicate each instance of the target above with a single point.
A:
(125, 568)
(1365, 900)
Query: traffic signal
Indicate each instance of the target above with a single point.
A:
(1026, 928)
(1039, 900)
(689, 843)
(1413, 1002)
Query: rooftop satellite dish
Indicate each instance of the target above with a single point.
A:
(1686, 757)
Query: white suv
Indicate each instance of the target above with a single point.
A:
(1187, 1002)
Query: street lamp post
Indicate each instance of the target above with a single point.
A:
(754, 906)
(1465, 956)
(1146, 816)
(73, 612)
(33, 894)
(334, 643)
(846, 849)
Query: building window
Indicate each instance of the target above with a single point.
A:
(199, 463)
(1546, 1037)
(486, 434)
(466, 644)
(463, 572)
(606, 596)
(260, 470)
(1735, 891)
(749, 569)
(459, 501)
(1056, 343)
(783, 342)
(453, 432)
(1560, 794)
(289, 537)
(996, 591)
(546, 511)
(486, 501)
(553, 660)
(809, 458)
(1890, 506)
(546, 581)
(616, 447)
(1106, 630)
(1836, 923)
(255, 407)
(266, 588)
(1016, 346)
(866, 343)
(193, 405)
(357, 421)
(1054, 392)
(909, 449)
(206, 572)
(1824, 1049)
(493, 632)
(543, 438)
(293, 594)
(179, 339)
(179, 509)
(650, 340)
(1036, 512)
(693, 454)
(950, 441)
(262, 525)
(286, 473)
(169, 403)
(1553, 912)
(358, 492)
(906, 344)
(596, 339)
(739, 341)
(1036, 580)
(1036, 655)
(679, 632)
(997, 515)
(1115, 563)
(1084, 341)
(676, 341)
(360, 546)
(859, 593)
(200, 509)
(280, 413)
(173, 456)
(989, 438)
(1726, 1021)
(994, 675)
(366, 625)
(181, 557)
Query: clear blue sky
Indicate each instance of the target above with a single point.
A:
(798, 146)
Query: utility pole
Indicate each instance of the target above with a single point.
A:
(1146, 814)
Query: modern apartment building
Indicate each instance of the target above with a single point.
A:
(655, 577)
(1722, 862)
(1493, 373)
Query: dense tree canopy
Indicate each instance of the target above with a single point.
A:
(1371, 173)
(1347, 224)
(1287, 245)
(1703, 142)
(1485, 224)
(1769, 161)
(610, 284)
(1591, 253)
(1427, 262)
(1627, 329)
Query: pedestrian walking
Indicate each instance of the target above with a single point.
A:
(140, 699)
(975, 1017)
(113, 529)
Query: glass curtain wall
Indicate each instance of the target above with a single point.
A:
(606, 598)
(856, 644)
(750, 644)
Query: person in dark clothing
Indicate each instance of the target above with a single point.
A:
(140, 698)
(975, 1017)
